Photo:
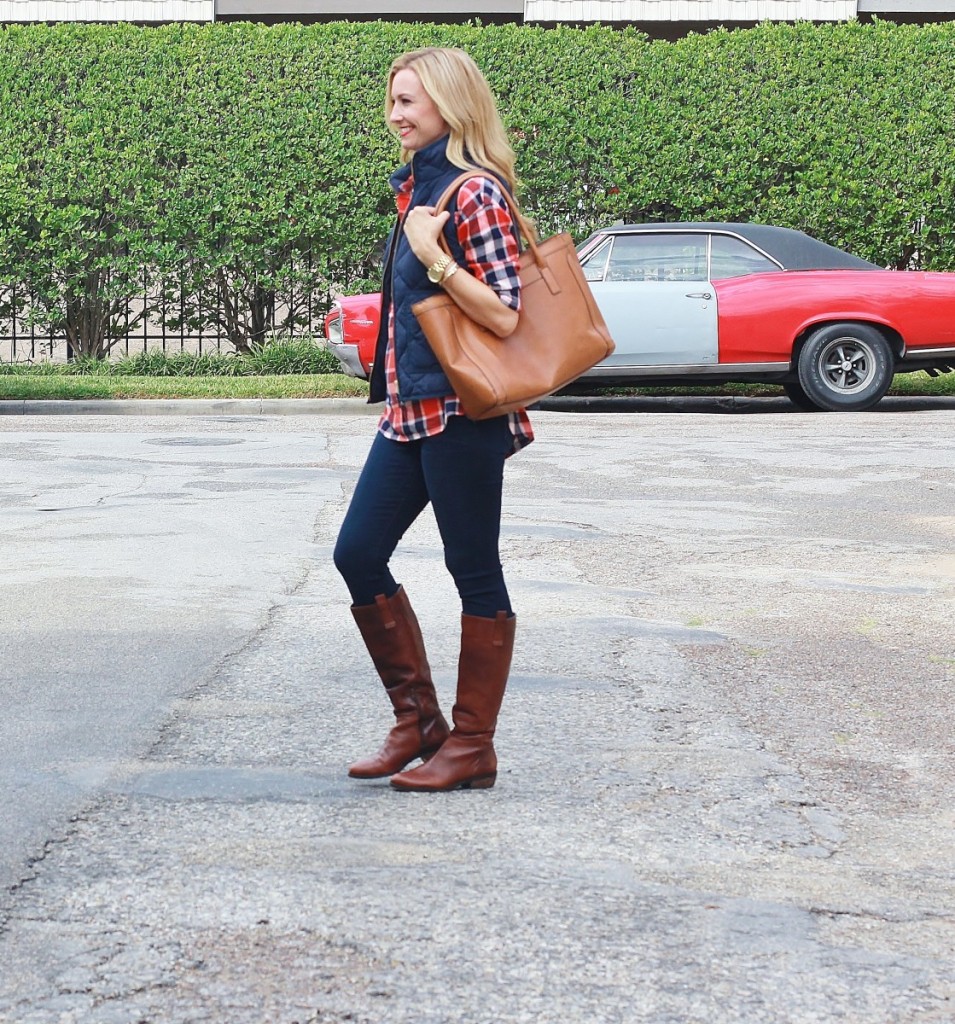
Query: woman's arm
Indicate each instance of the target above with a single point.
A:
(480, 301)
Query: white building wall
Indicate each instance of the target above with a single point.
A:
(107, 10)
(609, 11)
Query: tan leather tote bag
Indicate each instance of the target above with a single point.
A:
(560, 332)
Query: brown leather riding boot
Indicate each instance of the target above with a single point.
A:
(391, 633)
(467, 759)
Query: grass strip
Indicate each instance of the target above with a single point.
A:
(922, 384)
(34, 383)
(52, 386)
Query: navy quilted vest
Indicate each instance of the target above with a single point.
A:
(406, 282)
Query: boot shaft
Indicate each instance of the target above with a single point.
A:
(392, 635)
(467, 759)
(484, 664)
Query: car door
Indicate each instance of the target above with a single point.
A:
(654, 293)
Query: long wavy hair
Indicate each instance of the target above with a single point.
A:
(465, 101)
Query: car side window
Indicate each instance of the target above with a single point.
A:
(732, 257)
(596, 263)
(667, 256)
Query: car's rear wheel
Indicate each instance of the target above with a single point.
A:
(799, 398)
(845, 367)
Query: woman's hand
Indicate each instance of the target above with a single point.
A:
(423, 229)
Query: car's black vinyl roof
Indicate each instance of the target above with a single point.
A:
(795, 250)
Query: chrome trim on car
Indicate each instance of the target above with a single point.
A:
(932, 353)
(349, 359)
(722, 369)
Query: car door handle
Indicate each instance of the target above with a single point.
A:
(699, 295)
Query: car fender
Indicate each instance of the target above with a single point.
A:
(761, 317)
(889, 330)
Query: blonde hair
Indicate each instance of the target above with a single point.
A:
(465, 101)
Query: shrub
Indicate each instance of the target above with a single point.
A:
(249, 164)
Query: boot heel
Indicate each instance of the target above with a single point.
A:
(481, 782)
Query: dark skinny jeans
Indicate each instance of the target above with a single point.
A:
(461, 472)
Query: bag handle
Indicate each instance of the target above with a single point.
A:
(524, 226)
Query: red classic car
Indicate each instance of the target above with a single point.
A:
(351, 330)
(713, 303)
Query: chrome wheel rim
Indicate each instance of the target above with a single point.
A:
(847, 365)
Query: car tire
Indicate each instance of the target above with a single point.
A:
(799, 398)
(845, 367)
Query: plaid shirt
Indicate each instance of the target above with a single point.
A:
(485, 231)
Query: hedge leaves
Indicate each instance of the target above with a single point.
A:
(239, 167)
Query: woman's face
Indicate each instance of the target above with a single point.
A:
(414, 114)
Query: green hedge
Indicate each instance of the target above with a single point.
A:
(250, 162)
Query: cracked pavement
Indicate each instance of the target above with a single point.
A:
(727, 774)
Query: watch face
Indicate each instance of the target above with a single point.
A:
(437, 269)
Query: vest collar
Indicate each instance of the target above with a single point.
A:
(426, 164)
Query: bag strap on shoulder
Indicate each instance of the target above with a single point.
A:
(524, 227)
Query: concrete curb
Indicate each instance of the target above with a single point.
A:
(663, 403)
(722, 403)
(188, 407)
(358, 406)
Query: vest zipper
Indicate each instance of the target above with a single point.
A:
(391, 270)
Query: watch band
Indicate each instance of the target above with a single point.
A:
(450, 271)
(437, 269)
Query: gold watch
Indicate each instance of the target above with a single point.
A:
(450, 271)
(437, 269)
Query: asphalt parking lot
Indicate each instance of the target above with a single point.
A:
(727, 787)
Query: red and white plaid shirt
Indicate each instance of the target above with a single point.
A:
(486, 233)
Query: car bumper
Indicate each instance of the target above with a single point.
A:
(348, 356)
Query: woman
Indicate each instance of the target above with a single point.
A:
(426, 449)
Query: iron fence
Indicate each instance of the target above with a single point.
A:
(148, 322)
